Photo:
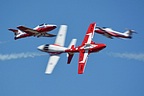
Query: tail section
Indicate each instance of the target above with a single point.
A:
(14, 30)
(17, 33)
(73, 42)
(70, 54)
(129, 33)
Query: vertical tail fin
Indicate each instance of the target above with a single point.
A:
(129, 33)
(70, 54)
(73, 42)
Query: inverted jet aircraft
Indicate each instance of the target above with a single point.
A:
(110, 33)
(38, 31)
(55, 49)
(88, 46)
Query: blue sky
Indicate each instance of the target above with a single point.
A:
(118, 70)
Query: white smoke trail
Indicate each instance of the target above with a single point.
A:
(20, 55)
(135, 56)
(1, 42)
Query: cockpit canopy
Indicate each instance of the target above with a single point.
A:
(46, 47)
(43, 24)
(104, 27)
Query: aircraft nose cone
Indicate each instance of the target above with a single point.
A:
(102, 46)
(55, 26)
(41, 47)
(52, 25)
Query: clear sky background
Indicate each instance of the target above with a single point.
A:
(118, 70)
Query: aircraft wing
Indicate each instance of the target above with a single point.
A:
(27, 30)
(101, 29)
(47, 35)
(89, 34)
(60, 40)
(106, 33)
(82, 61)
(52, 63)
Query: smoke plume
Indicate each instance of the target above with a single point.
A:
(134, 56)
(20, 55)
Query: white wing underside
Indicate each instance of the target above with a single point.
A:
(60, 40)
(52, 63)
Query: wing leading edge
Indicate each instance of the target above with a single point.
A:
(27, 30)
(34, 32)
(60, 40)
(84, 53)
(89, 34)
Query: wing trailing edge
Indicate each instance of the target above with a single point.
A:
(52, 63)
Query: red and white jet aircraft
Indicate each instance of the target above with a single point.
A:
(87, 47)
(110, 33)
(39, 31)
(55, 49)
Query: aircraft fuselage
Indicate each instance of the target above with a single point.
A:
(109, 33)
(45, 29)
(90, 47)
(59, 49)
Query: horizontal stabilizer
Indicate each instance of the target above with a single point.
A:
(129, 33)
(13, 30)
